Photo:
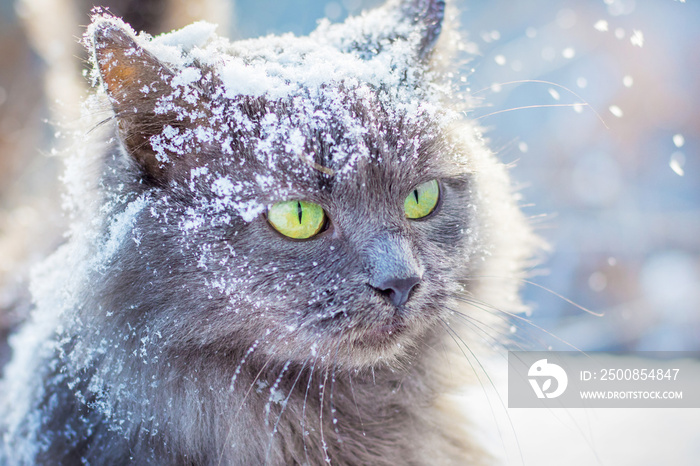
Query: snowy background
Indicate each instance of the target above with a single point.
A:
(605, 151)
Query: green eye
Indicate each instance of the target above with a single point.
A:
(422, 200)
(297, 219)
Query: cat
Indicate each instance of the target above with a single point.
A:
(281, 251)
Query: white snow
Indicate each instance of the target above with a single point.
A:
(187, 76)
(615, 110)
(601, 25)
(193, 35)
(677, 162)
(637, 38)
(678, 140)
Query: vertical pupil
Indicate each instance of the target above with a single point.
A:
(299, 211)
(415, 194)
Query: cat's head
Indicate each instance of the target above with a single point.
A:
(304, 198)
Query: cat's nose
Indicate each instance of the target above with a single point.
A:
(398, 290)
(394, 270)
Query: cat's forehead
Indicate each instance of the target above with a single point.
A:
(335, 125)
(340, 145)
(303, 112)
(333, 141)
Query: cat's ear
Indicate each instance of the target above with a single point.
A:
(399, 22)
(138, 86)
(427, 17)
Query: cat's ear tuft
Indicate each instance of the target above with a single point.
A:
(134, 81)
(428, 16)
(414, 22)
(124, 67)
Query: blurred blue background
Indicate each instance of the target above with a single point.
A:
(605, 152)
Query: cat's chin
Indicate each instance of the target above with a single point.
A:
(380, 344)
(387, 334)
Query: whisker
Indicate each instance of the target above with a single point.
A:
(236, 372)
(500, 314)
(523, 320)
(245, 397)
(544, 288)
(530, 323)
(469, 319)
(597, 314)
(284, 406)
(549, 83)
(478, 326)
(303, 409)
(273, 390)
(335, 366)
(525, 107)
(323, 440)
(101, 123)
(477, 303)
(457, 339)
(359, 415)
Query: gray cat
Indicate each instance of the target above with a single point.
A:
(282, 250)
